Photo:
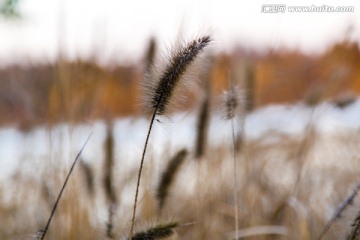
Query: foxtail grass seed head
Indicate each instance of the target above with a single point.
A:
(234, 105)
(109, 165)
(160, 90)
(232, 102)
(88, 177)
(158, 232)
(355, 233)
(344, 100)
(168, 176)
(110, 223)
(338, 213)
(202, 128)
(250, 88)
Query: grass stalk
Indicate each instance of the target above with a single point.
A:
(43, 234)
(161, 91)
(139, 175)
(348, 201)
(108, 179)
(232, 106)
(235, 181)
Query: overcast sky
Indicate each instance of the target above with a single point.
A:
(119, 30)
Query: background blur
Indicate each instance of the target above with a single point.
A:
(69, 68)
(79, 60)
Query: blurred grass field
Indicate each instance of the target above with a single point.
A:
(289, 185)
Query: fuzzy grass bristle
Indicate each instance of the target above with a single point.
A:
(162, 89)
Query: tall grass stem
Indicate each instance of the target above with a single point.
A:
(63, 188)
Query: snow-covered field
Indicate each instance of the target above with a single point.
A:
(29, 150)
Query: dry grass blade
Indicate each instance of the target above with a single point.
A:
(43, 233)
(168, 176)
(348, 201)
(157, 232)
(355, 233)
(162, 91)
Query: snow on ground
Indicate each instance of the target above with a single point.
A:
(63, 141)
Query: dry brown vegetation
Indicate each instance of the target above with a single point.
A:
(83, 90)
(287, 187)
(267, 173)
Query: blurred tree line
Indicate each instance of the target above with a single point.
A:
(83, 90)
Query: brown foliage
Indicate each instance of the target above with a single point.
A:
(78, 91)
